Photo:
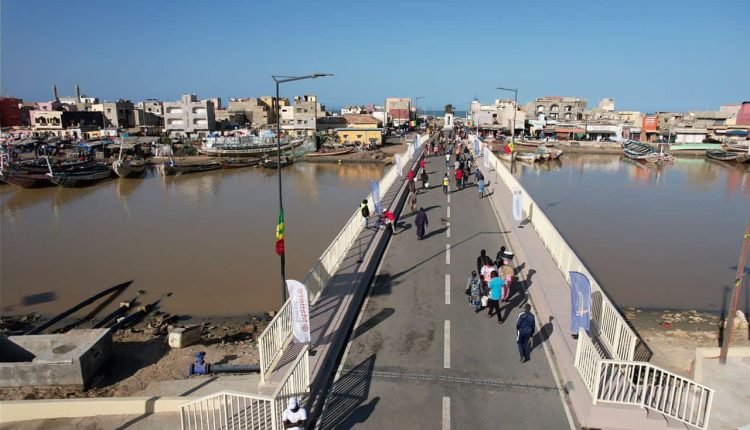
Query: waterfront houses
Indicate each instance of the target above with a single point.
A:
(189, 117)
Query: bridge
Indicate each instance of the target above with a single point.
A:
(395, 344)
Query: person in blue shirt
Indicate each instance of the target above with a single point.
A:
(496, 291)
(525, 327)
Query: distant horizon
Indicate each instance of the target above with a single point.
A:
(647, 62)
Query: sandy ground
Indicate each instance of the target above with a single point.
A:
(674, 335)
(140, 357)
(383, 155)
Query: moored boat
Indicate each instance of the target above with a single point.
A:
(330, 153)
(81, 178)
(26, 179)
(527, 157)
(176, 168)
(245, 146)
(637, 150)
(273, 163)
(132, 168)
(235, 163)
(721, 155)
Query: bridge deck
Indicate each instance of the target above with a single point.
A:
(420, 356)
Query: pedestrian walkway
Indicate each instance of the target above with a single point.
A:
(419, 355)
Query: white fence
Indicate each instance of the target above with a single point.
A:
(231, 410)
(642, 384)
(274, 338)
(611, 328)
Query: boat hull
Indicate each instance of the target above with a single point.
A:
(127, 169)
(27, 180)
(240, 162)
(718, 154)
(81, 179)
(171, 169)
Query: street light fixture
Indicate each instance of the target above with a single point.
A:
(280, 80)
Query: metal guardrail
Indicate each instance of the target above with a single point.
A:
(274, 338)
(610, 326)
(231, 410)
(642, 384)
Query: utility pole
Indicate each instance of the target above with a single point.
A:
(735, 297)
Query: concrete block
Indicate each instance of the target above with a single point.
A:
(181, 337)
(72, 358)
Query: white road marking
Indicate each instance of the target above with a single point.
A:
(449, 211)
(446, 413)
(448, 253)
(449, 198)
(448, 231)
(447, 289)
(447, 345)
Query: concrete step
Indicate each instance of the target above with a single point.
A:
(622, 417)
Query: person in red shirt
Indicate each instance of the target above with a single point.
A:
(421, 164)
(459, 178)
(390, 220)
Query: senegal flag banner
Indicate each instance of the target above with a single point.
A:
(280, 234)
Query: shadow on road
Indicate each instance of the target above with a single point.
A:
(373, 321)
(347, 395)
(543, 334)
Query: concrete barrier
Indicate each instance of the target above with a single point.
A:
(23, 410)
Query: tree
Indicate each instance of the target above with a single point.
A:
(449, 108)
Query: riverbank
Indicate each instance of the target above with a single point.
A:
(673, 336)
(141, 355)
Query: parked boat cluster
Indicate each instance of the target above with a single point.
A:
(738, 153)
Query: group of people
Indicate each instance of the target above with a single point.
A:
(489, 286)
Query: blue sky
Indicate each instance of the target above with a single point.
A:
(648, 55)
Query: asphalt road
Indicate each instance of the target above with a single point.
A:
(420, 357)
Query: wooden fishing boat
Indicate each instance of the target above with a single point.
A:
(81, 178)
(26, 179)
(272, 162)
(40, 165)
(245, 146)
(504, 156)
(174, 168)
(330, 153)
(721, 155)
(132, 168)
(235, 163)
(638, 150)
(527, 157)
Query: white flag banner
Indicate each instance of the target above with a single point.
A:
(486, 157)
(300, 311)
(399, 165)
(517, 205)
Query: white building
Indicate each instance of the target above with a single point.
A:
(189, 117)
(500, 114)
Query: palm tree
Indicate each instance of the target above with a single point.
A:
(449, 108)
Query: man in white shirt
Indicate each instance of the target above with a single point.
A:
(294, 416)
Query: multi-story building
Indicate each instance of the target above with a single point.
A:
(743, 114)
(398, 110)
(149, 113)
(630, 117)
(258, 111)
(189, 117)
(10, 112)
(229, 120)
(119, 114)
(74, 124)
(607, 104)
(304, 115)
(556, 108)
(497, 116)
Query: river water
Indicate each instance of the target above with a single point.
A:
(208, 238)
(665, 237)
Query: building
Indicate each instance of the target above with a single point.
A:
(704, 119)
(258, 111)
(497, 116)
(10, 112)
(689, 135)
(301, 119)
(607, 104)
(556, 108)
(398, 110)
(743, 114)
(229, 120)
(630, 117)
(360, 135)
(60, 123)
(361, 121)
(119, 114)
(149, 113)
(649, 128)
(189, 117)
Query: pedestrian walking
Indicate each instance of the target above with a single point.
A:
(422, 163)
(478, 175)
(459, 177)
(474, 291)
(496, 291)
(425, 179)
(446, 183)
(294, 416)
(525, 328)
(480, 186)
(410, 181)
(456, 165)
(390, 220)
(483, 260)
(421, 221)
(447, 160)
(413, 201)
(365, 211)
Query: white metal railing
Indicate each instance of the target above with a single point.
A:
(611, 328)
(587, 361)
(232, 410)
(229, 410)
(274, 338)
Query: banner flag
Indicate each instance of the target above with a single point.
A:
(375, 191)
(517, 205)
(280, 234)
(300, 311)
(476, 145)
(399, 165)
(487, 157)
(580, 302)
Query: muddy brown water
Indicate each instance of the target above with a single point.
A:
(665, 237)
(208, 238)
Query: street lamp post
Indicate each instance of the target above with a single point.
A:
(513, 128)
(280, 80)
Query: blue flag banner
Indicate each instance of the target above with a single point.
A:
(375, 191)
(580, 302)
